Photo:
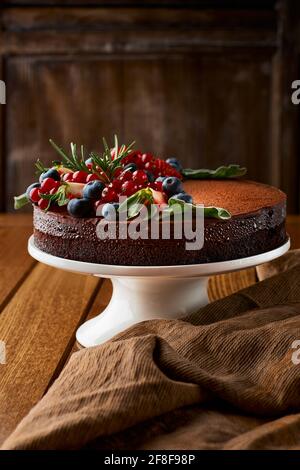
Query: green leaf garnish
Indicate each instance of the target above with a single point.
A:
(20, 201)
(223, 172)
(60, 197)
(133, 203)
(209, 212)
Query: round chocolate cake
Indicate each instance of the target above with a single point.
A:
(257, 225)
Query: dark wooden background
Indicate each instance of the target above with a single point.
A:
(208, 82)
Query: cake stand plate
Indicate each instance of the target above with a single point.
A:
(147, 292)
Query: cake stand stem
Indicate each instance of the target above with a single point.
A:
(136, 299)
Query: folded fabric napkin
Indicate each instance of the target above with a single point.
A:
(224, 378)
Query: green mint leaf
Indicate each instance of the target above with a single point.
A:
(217, 213)
(20, 201)
(209, 212)
(223, 172)
(133, 203)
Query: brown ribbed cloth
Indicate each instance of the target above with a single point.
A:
(222, 379)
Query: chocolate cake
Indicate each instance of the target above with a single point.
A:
(257, 225)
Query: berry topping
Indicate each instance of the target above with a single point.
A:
(125, 175)
(80, 176)
(93, 190)
(33, 185)
(157, 185)
(34, 195)
(183, 197)
(140, 177)
(43, 204)
(131, 167)
(162, 168)
(109, 211)
(92, 177)
(89, 161)
(52, 173)
(47, 185)
(174, 163)
(172, 185)
(109, 195)
(146, 157)
(68, 177)
(80, 207)
(116, 185)
(129, 188)
(150, 176)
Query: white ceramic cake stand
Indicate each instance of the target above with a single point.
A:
(147, 292)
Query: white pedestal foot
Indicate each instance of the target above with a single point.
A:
(138, 299)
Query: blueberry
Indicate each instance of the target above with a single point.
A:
(51, 173)
(80, 207)
(89, 161)
(33, 185)
(131, 167)
(183, 197)
(172, 185)
(93, 190)
(109, 210)
(161, 178)
(174, 163)
(151, 177)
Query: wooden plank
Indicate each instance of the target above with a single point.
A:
(226, 284)
(293, 229)
(15, 262)
(35, 18)
(38, 327)
(17, 219)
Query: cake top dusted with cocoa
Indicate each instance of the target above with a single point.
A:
(239, 197)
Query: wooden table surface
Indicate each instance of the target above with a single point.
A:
(41, 308)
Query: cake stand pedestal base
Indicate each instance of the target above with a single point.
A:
(147, 292)
(137, 299)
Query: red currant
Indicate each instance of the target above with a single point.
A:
(147, 157)
(118, 172)
(92, 177)
(129, 188)
(157, 185)
(43, 204)
(68, 177)
(115, 185)
(34, 195)
(140, 177)
(109, 194)
(125, 176)
(47, 185)
(80, 177)
(150, 166)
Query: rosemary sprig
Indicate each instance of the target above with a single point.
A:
(107, 163)
(104, 165)
(73, 161)
(40, 167)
